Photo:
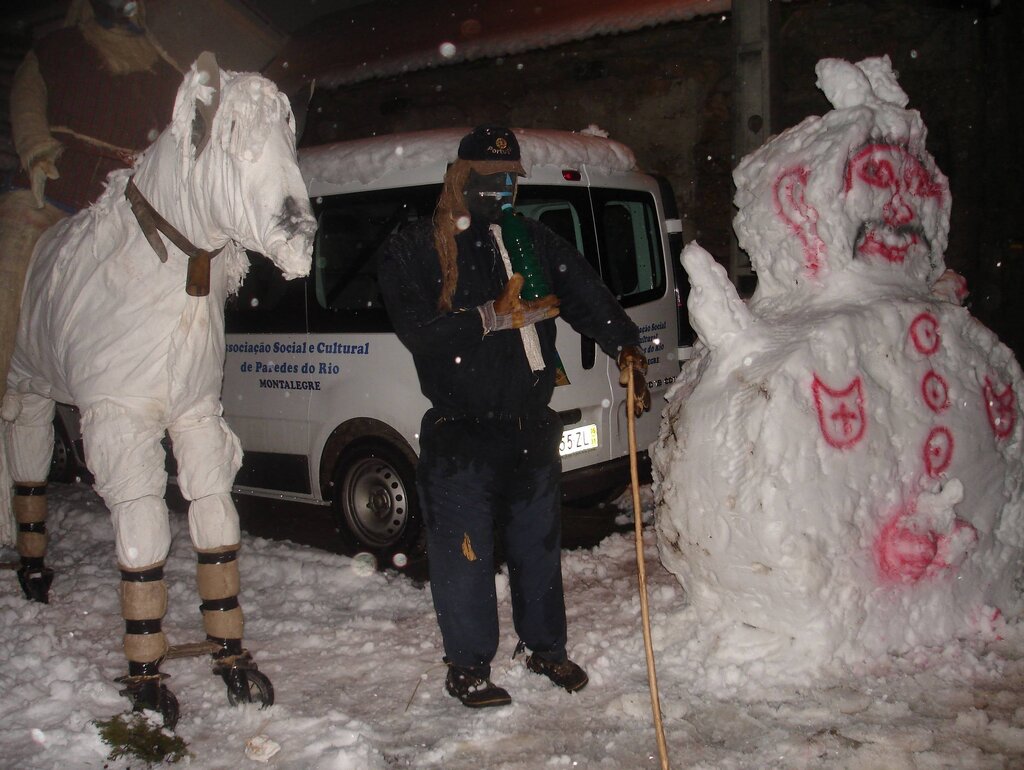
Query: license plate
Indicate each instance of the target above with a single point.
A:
(576, 440)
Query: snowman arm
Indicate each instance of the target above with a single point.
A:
(716, 310)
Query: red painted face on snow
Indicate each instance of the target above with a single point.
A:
(901, 190)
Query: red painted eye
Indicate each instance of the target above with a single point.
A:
(877, 173)
(919, 183)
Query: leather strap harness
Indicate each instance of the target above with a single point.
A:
(197, 283)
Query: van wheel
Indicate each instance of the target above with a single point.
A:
(63, 468)
(375, 503)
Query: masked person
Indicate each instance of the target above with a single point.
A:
(87, 99)
(84, 101)
(489, 466)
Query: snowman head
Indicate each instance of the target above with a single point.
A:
(854, 191)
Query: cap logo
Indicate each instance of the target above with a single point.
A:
(500, 146)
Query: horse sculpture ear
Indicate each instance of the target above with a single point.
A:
(202, 123)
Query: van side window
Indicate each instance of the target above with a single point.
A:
(631, 259)
(351, 229)
(266, 303)
(564, 222)
(344, 265)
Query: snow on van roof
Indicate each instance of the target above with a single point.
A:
(365, 160)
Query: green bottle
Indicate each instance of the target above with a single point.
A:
(520, 253)
(524, 261)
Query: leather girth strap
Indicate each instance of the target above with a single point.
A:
(198, 281)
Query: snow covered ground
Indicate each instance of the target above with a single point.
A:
(354, 657)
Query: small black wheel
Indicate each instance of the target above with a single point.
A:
(152, 695)
(168, 707)
(249, 685)
(374, 500)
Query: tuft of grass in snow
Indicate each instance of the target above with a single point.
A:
(133, 735)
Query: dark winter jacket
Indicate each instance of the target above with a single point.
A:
(123, 110)
(463, 372)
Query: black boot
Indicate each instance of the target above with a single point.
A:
(474, 691)
(565, 674)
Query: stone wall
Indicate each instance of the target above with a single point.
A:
(664, 92)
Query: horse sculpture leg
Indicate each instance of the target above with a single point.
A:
(209, 456)
(21, 224)
(29, 447)
(124, 453)
(143, 605)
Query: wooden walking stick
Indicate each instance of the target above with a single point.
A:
(652, 676)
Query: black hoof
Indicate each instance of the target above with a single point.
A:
(149, 694)
(35, 582)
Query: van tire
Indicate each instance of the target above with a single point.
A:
(374, 500)
(63, 466)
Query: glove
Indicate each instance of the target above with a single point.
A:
(632, 357)
(43, 167)
(510, 312)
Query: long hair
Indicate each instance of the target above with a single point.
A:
(451, 212)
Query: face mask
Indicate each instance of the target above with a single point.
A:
(486, 194)
(115, 13)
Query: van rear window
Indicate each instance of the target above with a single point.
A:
(632, 263)
(617, 230)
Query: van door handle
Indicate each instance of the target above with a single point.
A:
(588, 352)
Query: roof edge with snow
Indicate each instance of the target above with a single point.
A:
(413, 36)
(366, 160)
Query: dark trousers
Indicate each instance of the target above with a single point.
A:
(482, 479)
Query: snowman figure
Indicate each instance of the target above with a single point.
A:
(839, 471)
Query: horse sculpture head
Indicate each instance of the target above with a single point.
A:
(225, 171)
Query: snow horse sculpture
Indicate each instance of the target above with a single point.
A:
(123, 316)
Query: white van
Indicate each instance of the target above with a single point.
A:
(325, 398)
